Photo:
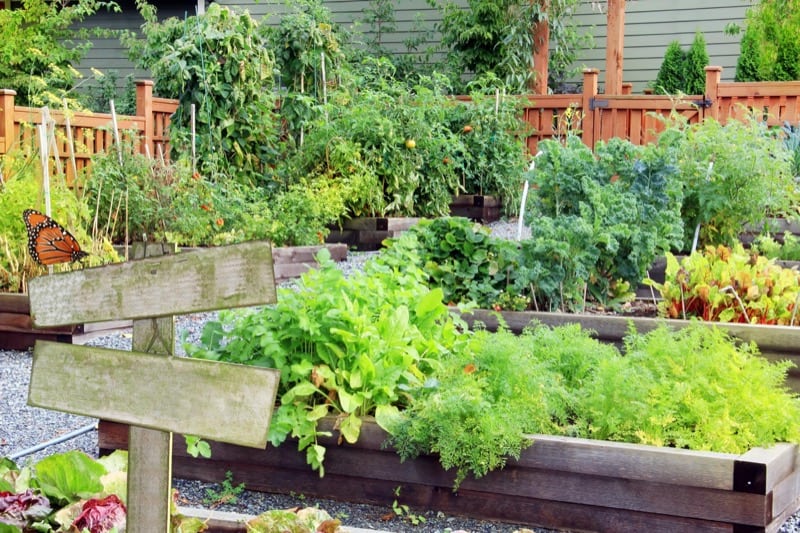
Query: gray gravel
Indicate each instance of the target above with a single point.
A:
(23, 427)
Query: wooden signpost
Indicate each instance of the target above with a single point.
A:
(149, 388)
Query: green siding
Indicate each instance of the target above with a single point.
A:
(650, 25)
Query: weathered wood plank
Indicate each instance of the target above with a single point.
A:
(169, 393)
(213, 278)
(768, 338)
(149, 480)
(150, 452)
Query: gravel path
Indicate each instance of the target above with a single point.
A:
(23, 427)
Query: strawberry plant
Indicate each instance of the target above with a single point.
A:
(729, 285)
(459, 257)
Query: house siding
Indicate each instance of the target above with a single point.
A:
(650, 25)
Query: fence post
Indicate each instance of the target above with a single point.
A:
(6, 119)
(144, 110)
(541, 40)
(713, 77)
(590, 76)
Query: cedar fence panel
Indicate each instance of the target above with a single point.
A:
(89, 133)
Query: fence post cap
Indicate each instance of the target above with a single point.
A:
(592, 70)
(713, 69)
(6, 92)
(144, 82)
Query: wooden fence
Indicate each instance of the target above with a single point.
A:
(638, 117)
(76, 136)
(598, 117)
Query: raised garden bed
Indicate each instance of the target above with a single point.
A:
(558, 482)
(774, 342)
(476, 207)
(368, 233)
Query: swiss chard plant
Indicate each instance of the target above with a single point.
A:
(729, 285)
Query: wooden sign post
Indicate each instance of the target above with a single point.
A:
(149, 388)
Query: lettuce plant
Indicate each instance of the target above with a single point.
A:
(63, 492)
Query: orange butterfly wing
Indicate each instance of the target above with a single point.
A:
(48, 242)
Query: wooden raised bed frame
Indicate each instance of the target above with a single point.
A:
(558, 482)
(776, 343)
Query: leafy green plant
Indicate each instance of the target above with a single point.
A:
(386, 146)
(729, 285)
(41, 45)
(787, 248)
(222, 62)
(494, 158)
(227, 493)
(694, 388)
(613, 212)
(459, 257)
(63, 492)
(731, 175)
(480, 402)
(302, 40)
(347, 347)
(404, 511)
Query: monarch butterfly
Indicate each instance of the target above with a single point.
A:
(48, 242)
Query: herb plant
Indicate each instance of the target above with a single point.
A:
(695, 388)
(731, 175)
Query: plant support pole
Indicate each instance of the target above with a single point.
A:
(116, 130)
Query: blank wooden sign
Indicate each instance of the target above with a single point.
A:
(220, 401)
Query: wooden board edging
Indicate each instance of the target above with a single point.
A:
(651, 490)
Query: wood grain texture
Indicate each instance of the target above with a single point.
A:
(558, 482)
(150, 453)
(209, 279)
(220, 401)
(149, 480)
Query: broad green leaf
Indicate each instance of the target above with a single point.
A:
(351, 428)
(69, 476)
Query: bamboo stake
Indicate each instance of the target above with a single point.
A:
(116, 130)
(70, 142)
(45, 175)
(52, 145)
(194, 142)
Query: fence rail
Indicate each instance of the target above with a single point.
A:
(599, 117)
